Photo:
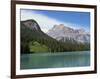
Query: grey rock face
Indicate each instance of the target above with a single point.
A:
(60, 31)
(32, 24)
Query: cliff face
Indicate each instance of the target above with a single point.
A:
(32, 24)
(61, 32)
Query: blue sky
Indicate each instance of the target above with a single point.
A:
(47, 18)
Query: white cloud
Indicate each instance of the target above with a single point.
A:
(45, 22)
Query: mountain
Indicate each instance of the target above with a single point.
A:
(32, 24)
(34, 40)
(61, 32)
(30, 29)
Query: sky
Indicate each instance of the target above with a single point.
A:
(48, 18)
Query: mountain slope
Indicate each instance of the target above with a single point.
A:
(61, 32)
(31, 34)
(34, 40)
(31, 29)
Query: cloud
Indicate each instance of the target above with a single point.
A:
(44, 21)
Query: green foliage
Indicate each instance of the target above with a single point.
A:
(37, 47)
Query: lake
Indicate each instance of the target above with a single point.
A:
(55, 60)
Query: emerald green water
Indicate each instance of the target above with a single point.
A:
(55, 60)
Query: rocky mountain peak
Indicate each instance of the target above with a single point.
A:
(32, 24)
(58, 27)
(60, 31)
(61, 27)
